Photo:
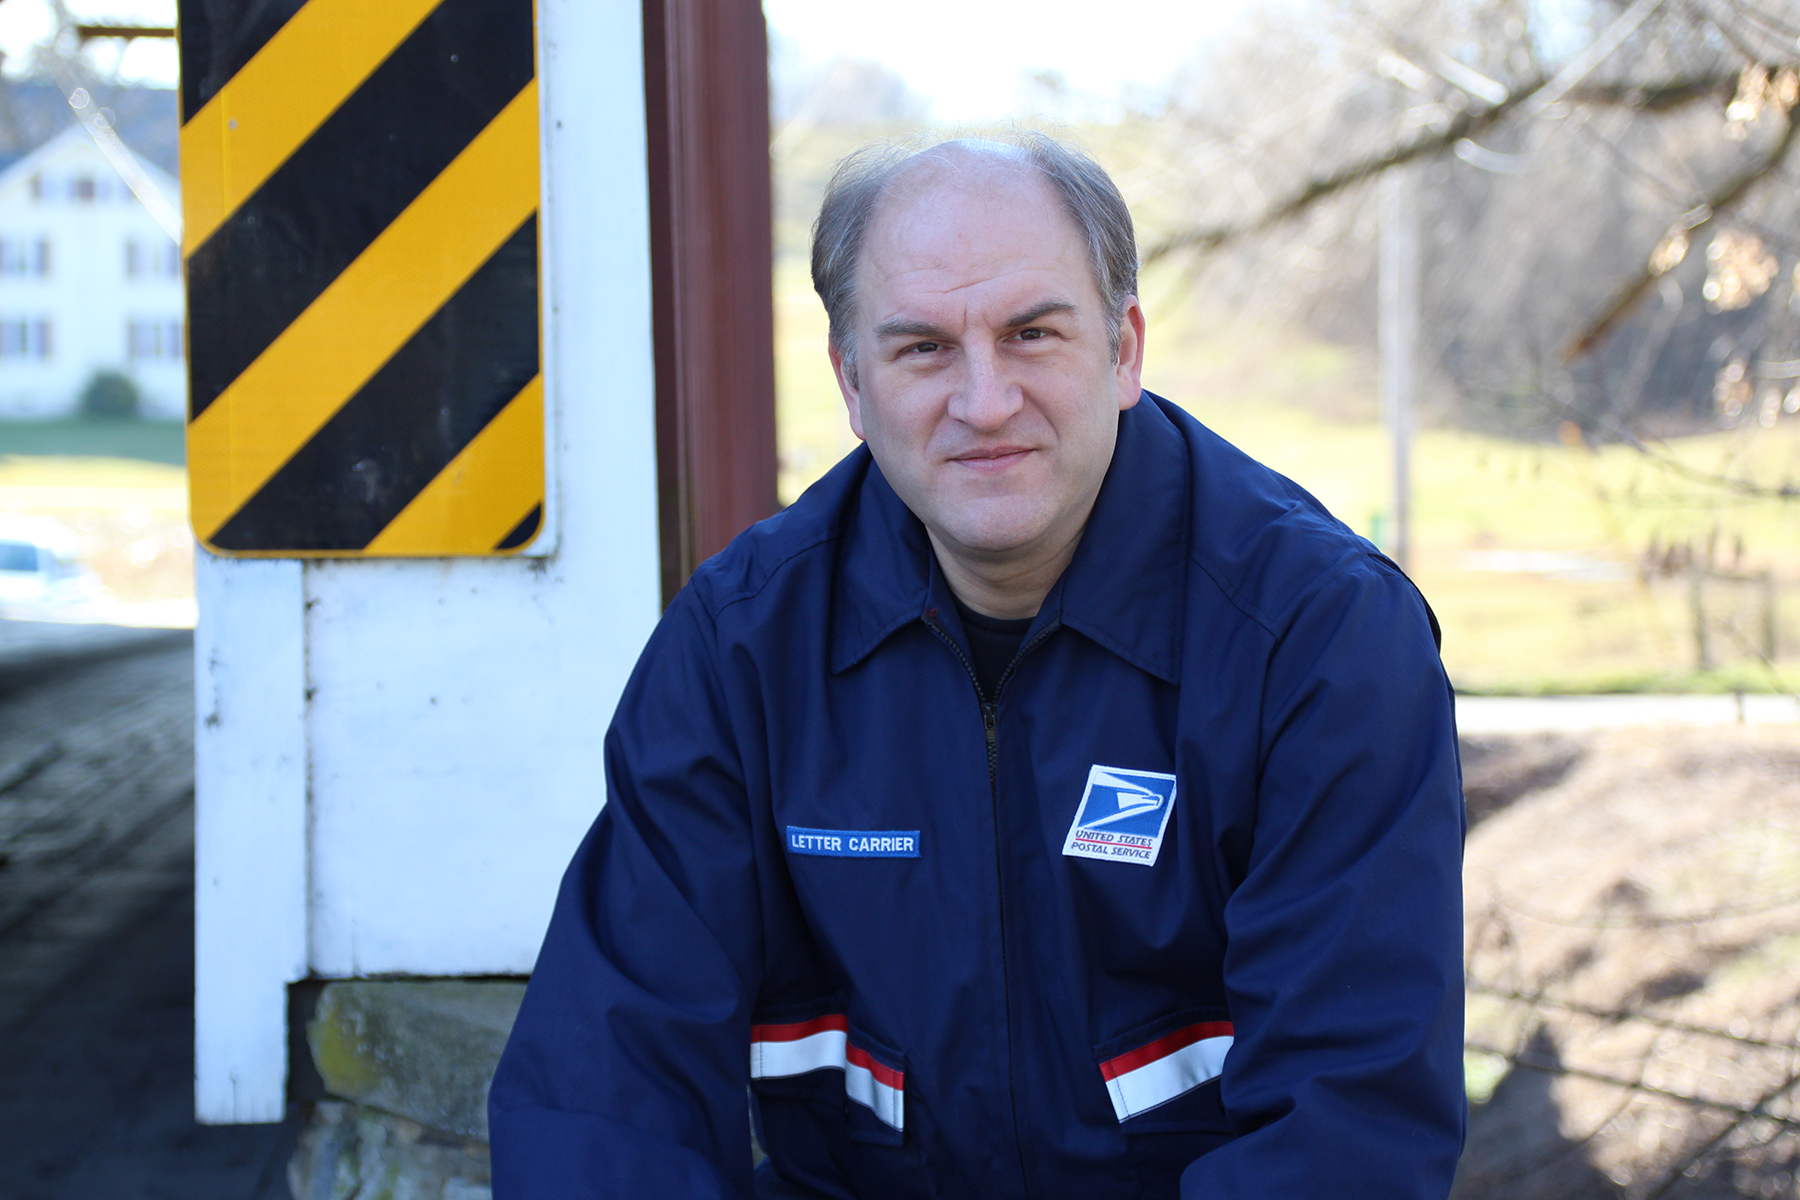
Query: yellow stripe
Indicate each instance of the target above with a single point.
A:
(279, 98)
(484, 492)
(331, 350)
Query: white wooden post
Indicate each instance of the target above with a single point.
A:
(250, 832)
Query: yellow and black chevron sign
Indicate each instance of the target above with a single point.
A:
(359, 187)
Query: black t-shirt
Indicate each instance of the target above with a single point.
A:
(993, 643)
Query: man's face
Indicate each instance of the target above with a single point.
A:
(986, 385)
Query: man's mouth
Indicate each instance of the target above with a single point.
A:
(992, 459)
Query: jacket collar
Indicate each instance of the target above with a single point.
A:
(1125, 589)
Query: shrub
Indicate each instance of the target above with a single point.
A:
(110, 396)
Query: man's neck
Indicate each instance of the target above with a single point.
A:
(1006, 586)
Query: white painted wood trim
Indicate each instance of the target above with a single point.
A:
(250, 790)
(599, 356)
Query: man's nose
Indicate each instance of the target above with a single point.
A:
(987, 397)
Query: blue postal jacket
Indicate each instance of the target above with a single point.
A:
(1178, 915)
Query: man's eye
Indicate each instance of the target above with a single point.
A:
(1030, 335)
(925, 347)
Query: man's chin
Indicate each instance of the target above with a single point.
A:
(997, 537)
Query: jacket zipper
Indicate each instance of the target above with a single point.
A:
(990, 718)
(990, 725)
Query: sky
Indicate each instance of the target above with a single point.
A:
(25, 22)
(966, 60)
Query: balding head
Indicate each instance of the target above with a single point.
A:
(867, 183)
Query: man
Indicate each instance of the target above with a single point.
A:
(1051, 803)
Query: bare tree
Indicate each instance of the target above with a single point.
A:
(1604, 215)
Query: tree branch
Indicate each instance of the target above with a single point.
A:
(1730, 193)
(1465, 124)
(1654, 97)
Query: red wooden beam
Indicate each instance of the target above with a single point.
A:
(707, 87)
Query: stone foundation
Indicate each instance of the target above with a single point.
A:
(408, 1064)
(354, 1152)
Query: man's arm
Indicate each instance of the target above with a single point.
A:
(627, 1070)
(1344, 967)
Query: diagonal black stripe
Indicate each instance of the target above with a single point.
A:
(524, 531)
(406, 424)
(218, 37)
(359, 171)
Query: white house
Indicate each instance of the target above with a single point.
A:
(89, 281)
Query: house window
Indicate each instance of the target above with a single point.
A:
(84, 189)
(37, 188)
(23, 338)
(153, 341)
(159, 258)
(21, 257)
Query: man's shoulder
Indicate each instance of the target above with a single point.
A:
(1265, 543)
(799, 540)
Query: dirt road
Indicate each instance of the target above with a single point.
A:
(96, 937)
(1633, 965)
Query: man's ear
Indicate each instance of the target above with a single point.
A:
(846, 382)
(1130, 369)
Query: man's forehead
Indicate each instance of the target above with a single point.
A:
(963, 160)
(960, 172)
(970, 215)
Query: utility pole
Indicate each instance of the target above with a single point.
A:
(1399, 335)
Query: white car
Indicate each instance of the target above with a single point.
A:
(38, 567)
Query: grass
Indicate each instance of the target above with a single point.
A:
(1482, 1073)
(152, 441)
(811, 427)
(1540, 559)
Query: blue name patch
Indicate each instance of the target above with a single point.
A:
(854, 843)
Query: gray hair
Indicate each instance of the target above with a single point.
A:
(1088, 195)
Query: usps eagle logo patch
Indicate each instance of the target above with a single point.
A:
(1122, 816)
